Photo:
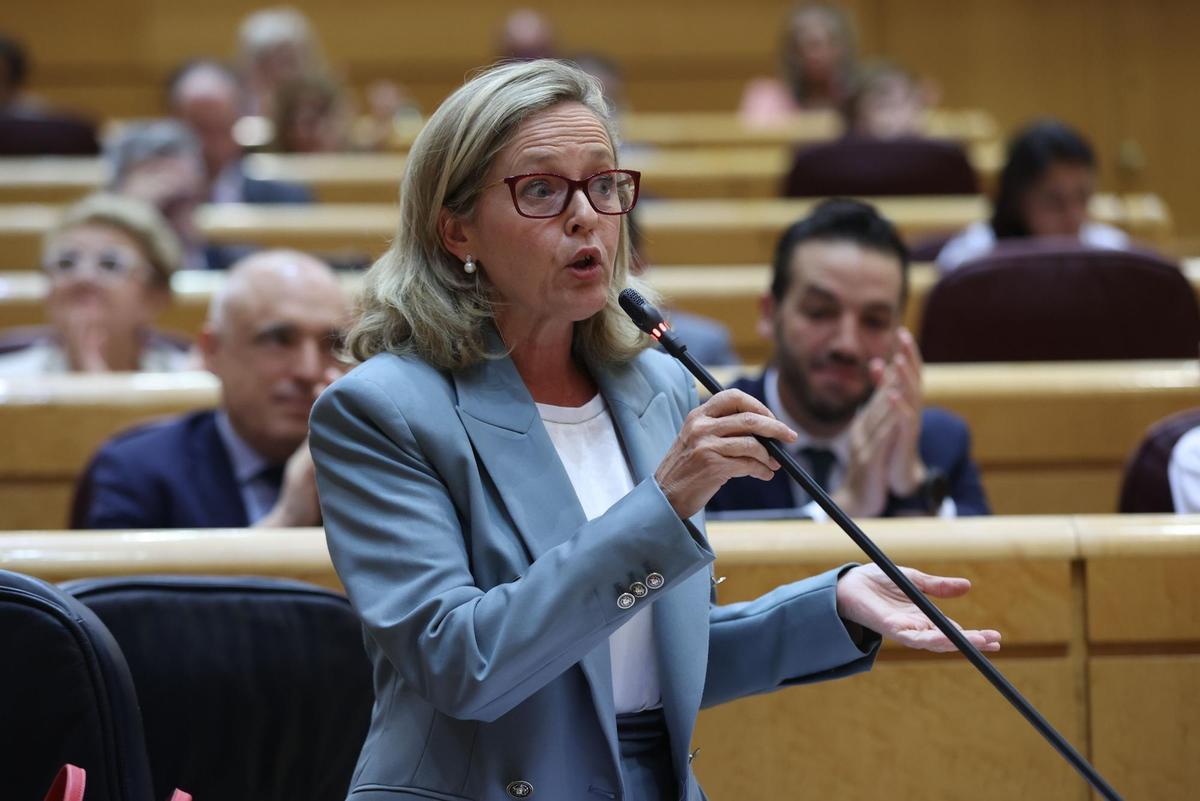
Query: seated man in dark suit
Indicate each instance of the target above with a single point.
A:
(207, 97)
(270, 338)
(847, 378)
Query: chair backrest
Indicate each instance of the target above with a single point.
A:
(65, 697)
(1046, 301)
(881, 167)
(252, 689)
(1145, 488)
(30, 135)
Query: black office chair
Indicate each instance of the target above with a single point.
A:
(252, 689)
(880, 167)
(65, 696)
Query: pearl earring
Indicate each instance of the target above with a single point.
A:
(469, 265)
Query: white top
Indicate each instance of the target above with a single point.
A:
(1183, 472)
(47, 357)
(839, 445)
(587, 444)
(978, 239)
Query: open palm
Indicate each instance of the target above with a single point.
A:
(868, 597)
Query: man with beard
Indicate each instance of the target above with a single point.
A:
(847, 377)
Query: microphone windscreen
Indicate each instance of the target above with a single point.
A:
(643, 314)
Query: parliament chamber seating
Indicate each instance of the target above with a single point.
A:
(880, 168)
(728, 293)
(251, 688)
(1049, 438)
(1032, 301)
(66, 696)
(707, 231)
(1113, 670)
(1146, 488)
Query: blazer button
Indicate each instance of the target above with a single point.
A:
(638, 589)
(520, 789)
(626, 600)
(655, 581)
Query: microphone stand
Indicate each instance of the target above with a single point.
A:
(651, 321)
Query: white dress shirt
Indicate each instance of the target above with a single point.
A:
(839, 446)
(587, 445)
(1183, 472)
(258, 494)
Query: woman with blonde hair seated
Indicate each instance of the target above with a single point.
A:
(109, 263)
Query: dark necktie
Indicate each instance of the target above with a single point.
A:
(272, 474)
(820, 464)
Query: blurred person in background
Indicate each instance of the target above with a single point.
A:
(206, 96)
(160, 163)
(109, 262)
(275, 45)
(312, 115)
(1047, 182)
(818, 58)
(27, 126)
(886, 102)
(526, 35)
(271, 339)
(847, 377)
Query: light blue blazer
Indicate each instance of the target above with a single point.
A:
(488, 598)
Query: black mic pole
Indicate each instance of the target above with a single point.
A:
(648, 318)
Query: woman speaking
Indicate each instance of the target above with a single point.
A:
(512, 485)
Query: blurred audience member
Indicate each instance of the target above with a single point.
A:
(1183, 473)
(606, 71)
(160, 162)
(312, 115)
(271, 338)
(275, 45)
(818, 59)
(708, 340)
(886, 102)
(28, 127)
(1047, 182)
(526, 35)
(847, 377)
(109, 262)
(206, 96)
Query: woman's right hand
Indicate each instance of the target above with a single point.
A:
(716, 444)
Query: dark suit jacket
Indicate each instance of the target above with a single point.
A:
(168, 474)
(945, 444)
(255, 190)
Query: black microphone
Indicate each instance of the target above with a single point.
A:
(650, 320)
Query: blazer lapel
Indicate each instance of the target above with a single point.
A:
(220, 499)
(645, 423)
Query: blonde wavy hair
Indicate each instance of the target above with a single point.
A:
(416, 298)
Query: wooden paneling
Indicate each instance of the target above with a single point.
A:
(1121, 70)
(918, 726)
(1145, 714)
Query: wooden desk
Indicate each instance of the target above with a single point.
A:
(676, 231)
(726, 129)
(1049, 438)
(1101, 624)
(747, 171)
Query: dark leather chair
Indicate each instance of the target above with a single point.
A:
(252, 689)
(1046, 301)
(1145, 488)
(65, 696)
(879, 167)
(31, 134)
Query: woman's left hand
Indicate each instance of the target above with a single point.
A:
(868, 597)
